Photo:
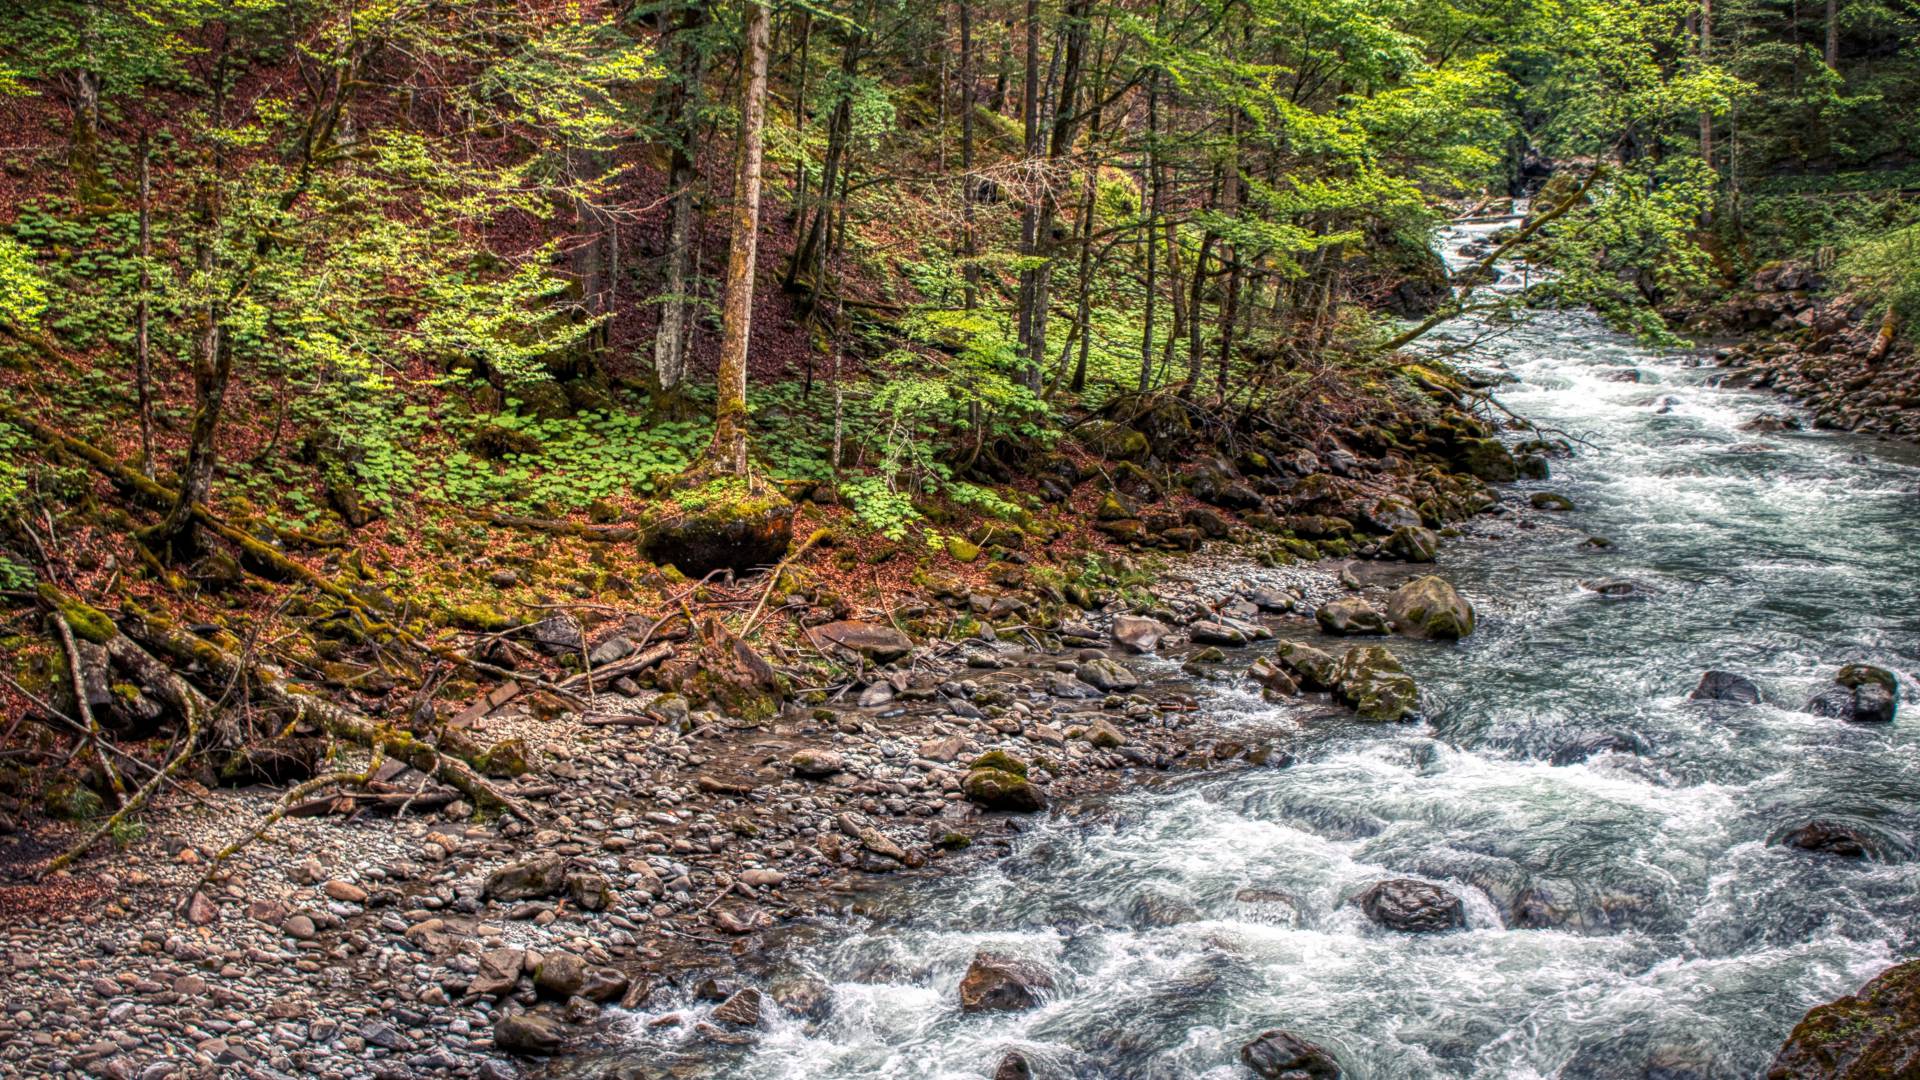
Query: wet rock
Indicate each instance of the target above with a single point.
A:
(1772, 422)
(1106, 676)
(1350, 616)
(1272, 906)
(880, 644)
(1830, 838)
(995, 983)
(1370, 680)
(1271, 600)
(1281, 1055)
(1013, 1066)
(1549, 500)
(1726, 686)
(1617, 588)
(741, 1009)
(560, 975)
(1609, 742)
(1488, 460)
(1138, 633)
(542, 875)
(527, 1034)
(1412, 906)
(1413, 543)
(997, 789)
(1869, 1035)
(1310, 667)
(1104, 735)
(1861, 694)
(815, 764)
(1429, 607)
(603, 985)
(1210, 632)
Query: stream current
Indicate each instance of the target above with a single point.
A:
(1682, 943)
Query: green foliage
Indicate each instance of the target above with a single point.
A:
(23, 295)
(1886, 268)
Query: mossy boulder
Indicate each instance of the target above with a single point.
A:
(1550, 500)
(1413, 543)
(1350, 616)
(1488, 460)
(69, 800)
(1428, 607)
(997, 789)
(1370, 680)
(720, 526)
(1311, 668)
(1001, 760)
(962, 550)
(1115, 442)
(508, 757)
(1872, 1034)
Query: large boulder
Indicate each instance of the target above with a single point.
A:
(1106, 675)
(1221, 632)
(1428, 607)
(995, 983)
(999, 789)
(1726, 686)
(1282, 1055)
(1488, 460)
(721, 526)
(1138, 633)
(1412, 906)
(1870, 1035)
(1370, 680)
(542, 875)
(1350, 616)
(880, 644)
(1311, 668)
(1413, 543)
(1861, 694)
(527, 1034)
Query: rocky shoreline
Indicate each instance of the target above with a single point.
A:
(429, 945)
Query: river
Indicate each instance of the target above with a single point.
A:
(1684, 941)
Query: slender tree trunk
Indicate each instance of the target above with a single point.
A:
(970, 271)
(728, 454)
(670, 342)
(800, 113)
(1153, 223)
(1030, 210)
(1706, 57)
(142, 312)
(83, 158)
(1833, 34)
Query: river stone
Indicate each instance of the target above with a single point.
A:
(1105, 675)
(815, 764)
(1209, 632)
(1350, 616)
(1138, 633)
(1616, 588)
(1013, 1066)
(997, 789)
(560, 975)
(995, 983)
(1412, 906)
(880, 644)
(741, 1009)
(1282, 1055)
(1550, 500)
(542, 875)
(1428, 607)
(1370, 680)
(1726, 686)
(1868, 1035)
(1272, 906)
(527, 1034)
(1310, 667)
(1831, 838)
(499, 971)
(1413, 543)
(604, 984)
(1607, 742)
(1488, 460)
(1861, 694)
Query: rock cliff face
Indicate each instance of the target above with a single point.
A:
(1871, 1035)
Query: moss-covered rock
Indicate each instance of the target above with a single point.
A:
(1865, 1036)
(1488, 460)
(1002, 761)
(1413, 543)
(999, 790)
(720, 526)
(1370, 680)
(1308, 666)
(1116, 442)
(1428, 607)
(69, 800)
(508, 757)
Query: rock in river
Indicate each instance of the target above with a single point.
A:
(1865, 1036)
(1861, 694)
(1412, 906)
(1106, 676)
(1282, 1055)
(1428, 607)
(527, 1033)
(1310, 667)
(1835, 838)
(995, 983)
(997, 789)
(1137, 632)
(880, 644)
(1350, 617)
(1370, 680)
(1726, 686)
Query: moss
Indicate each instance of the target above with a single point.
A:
(88, 622)
(962, 550)
(508, 757)
(1001, 761)
(68, 800)
(476, 616)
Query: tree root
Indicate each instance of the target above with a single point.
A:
(338, 720)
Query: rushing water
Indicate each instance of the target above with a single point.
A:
(1684, 941)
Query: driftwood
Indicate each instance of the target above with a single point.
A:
(338, 720)
(640, 661)
(94, 737)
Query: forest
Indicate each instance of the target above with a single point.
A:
(519, 505)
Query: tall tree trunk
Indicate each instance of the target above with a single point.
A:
(970, 271)
(1706, 57)
(1153, 222)
(728, 454)
(142, 312)
(1030, 209)
(1833, 34)
(800, 112)
(670, 342)
(83, 157)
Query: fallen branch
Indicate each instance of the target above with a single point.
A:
(773, 579)
(281, 809)
(640, 661)
(93, 735)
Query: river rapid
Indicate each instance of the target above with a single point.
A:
(1679, 938)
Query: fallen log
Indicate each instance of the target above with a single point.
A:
(639, 662)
